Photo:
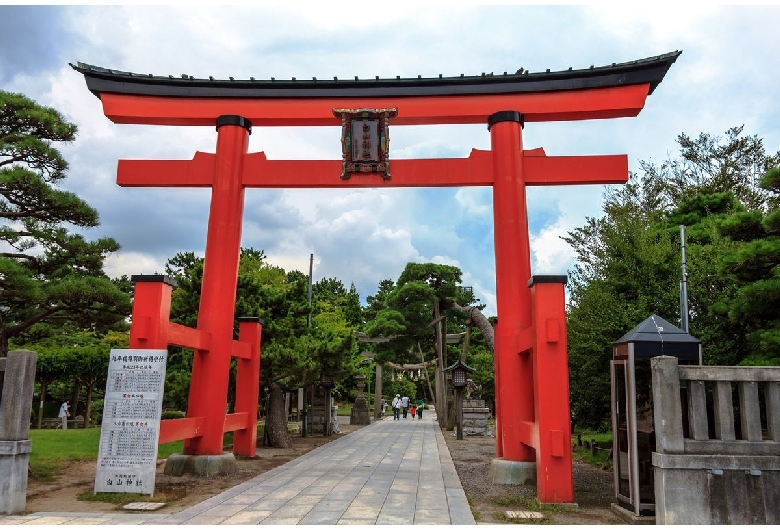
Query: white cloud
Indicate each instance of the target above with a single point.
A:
(552, 255)
(477, 201)
(132, 263)
(726, 76)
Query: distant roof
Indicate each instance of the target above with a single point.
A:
(655, 336)
(656, 329)
(650, 70)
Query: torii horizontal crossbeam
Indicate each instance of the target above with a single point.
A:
(476, 170)
(600, 103)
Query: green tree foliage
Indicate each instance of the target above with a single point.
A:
(376, 303)
(754, 266)
(293, 354)
(711, 164)
(404, 310)
(625, 272)
(481, 359)
(629, 266)
(77, 355)
(47, 273)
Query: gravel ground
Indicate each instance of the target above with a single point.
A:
(593, 489)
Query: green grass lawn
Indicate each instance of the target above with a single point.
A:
(52, 447)
(603, 440)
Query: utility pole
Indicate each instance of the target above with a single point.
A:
(304, 412)
(683, 285)
(311, 265)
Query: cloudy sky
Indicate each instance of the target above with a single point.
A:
(726, 76)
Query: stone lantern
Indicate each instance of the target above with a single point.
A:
(459, 371)
(360, 415)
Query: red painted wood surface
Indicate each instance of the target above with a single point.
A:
(151, 311)
(210, 370)
(514, 384)
(554, 480)
(180, 429)
(151, 329)
(601, 103)
(532, 408)
(476, 170)
(248, 389)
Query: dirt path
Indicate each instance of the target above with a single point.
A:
(593, 488)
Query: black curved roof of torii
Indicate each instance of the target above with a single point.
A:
(650, 70)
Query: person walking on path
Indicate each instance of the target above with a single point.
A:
(405, 405)
(64, 413)
(412, 411)
(396, 407)
(420, 405)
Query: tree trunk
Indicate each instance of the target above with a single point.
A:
(88, 408)
(276, 418)
(427, 377)
(466, 340)
(44, 384)
(75, 397)
(481, 322)
(441, 382)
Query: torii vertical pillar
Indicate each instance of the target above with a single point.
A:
(533, 415)
(211, 370)
(514, 376)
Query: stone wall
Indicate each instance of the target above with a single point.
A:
(717, 461)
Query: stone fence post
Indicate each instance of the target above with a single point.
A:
(668, 410)
(18, 373)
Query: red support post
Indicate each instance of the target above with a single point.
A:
(211, 370)
(151, 311)
(514, 377)
(248, 386)
(554, 481)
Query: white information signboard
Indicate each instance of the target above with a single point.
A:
(127, 456)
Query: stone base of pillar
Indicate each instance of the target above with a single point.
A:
(475, 418)
(511, 472)
(200, 465)
(14, 459)
(359, 414)
(629, 517)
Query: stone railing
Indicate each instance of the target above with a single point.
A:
(17, 373)
(717, 458)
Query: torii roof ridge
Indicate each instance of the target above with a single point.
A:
(649, 70)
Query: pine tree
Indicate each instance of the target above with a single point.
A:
(48, 274)
(755, 266)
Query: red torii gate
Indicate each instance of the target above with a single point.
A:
(532, 389)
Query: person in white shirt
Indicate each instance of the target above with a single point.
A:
(64, 413)
(397, 407)
(405, 405)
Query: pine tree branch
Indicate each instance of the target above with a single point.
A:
(13, 330)
(481, 322)
(17, 255)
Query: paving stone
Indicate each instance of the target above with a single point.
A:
(523, 514)
(321, 517)
(144, 506)
(385, 474)
(248, 517)
(280, 521)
